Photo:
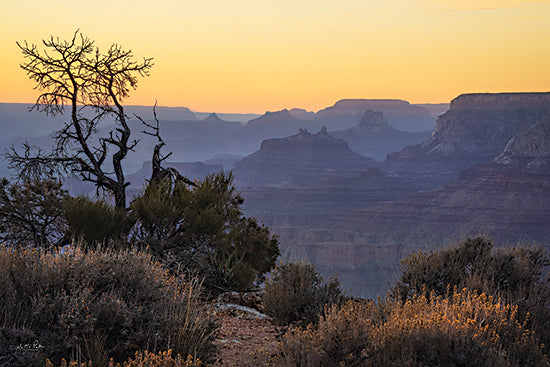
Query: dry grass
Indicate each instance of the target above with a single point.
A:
(464, 329)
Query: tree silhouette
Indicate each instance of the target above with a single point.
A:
(92, 84)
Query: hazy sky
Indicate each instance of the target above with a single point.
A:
(258, 55)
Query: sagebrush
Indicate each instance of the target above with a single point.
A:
(96, 305)
(465, 329)
(297, 293)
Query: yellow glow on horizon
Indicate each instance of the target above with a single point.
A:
(254, 55)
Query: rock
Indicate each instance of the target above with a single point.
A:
(510, 204)
(301, 159)
(364, 246)
(474, 131)
(251, 300)
(213, 117)
(528, 149)
(292, 206)
(270, 125)
(488, 161)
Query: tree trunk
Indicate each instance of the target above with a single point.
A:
(120, 196)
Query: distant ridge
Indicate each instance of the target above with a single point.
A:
(374, 137)
(280, 117)
(276, 124)
(213, 117)
(302, 114)
(400, 114)
(163, 113)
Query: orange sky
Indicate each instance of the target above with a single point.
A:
(258, 55)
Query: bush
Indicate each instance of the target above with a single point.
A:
(96, 222)
(95, 305)
(296, 293)
(517, 275)
(464, 329)
(31, 212)
(473, 263)
(203, 230)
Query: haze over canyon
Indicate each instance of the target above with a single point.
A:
(357, 186)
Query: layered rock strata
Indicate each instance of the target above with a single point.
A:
(474, 131)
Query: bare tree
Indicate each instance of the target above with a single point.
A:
(160, 173)
(92, 84)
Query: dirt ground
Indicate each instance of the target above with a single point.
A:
(246, 337)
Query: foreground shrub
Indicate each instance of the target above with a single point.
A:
(517, 275)
(474, 263)
(95, 306)
(94, 222)
(295, 292)
(465, 329)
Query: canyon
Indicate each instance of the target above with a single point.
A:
(357, 186)
(484, 170)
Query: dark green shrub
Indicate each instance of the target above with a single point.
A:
(94, 222)
(95, 305)
(202, 230)
(296, 293)
(465, 329)
(473, 263)
(31, 212)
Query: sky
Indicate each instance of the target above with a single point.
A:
(252, 56)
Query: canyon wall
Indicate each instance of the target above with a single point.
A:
(484, 170)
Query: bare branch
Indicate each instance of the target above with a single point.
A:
(160, 173)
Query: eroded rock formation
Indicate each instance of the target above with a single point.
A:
(301, 159)
(488, 162)
(475, 130)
